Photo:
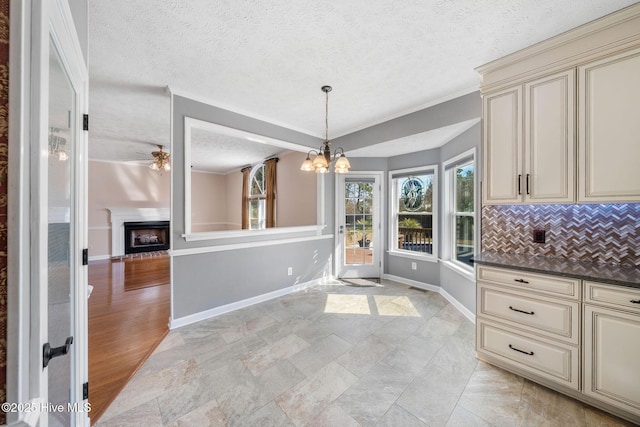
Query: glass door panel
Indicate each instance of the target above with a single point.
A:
(61, 265)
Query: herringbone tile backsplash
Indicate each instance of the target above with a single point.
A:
(597, 233)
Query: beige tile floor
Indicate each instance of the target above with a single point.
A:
(336, 355)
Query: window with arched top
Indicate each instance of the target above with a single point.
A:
(257, 198)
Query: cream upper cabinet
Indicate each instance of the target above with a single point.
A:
(561, 117)
(530, 160)
(502, 147)
(549, 139)
(609, 129)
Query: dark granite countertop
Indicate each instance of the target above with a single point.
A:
(605, 273)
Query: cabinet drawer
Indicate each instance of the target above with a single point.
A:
(612, 296)
(542, 283)
(554, 361)
(553, 317)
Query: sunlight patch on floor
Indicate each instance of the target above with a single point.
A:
(347, 304)
(382, 305)
(390, 305)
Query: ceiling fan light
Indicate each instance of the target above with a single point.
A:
(166, 167)
(62, 156)
(154, 166)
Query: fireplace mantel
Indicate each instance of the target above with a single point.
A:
(121, 215)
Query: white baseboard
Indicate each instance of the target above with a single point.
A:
(99, 257)
(428, 287)
(217, 311)
(457, 304)
(414, 283)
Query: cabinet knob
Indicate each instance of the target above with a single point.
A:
(521, 281)
(635, 301)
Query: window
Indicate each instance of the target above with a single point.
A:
(460, 232)
(413, 207)
(257, 198)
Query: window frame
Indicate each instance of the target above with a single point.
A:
(393, 214)
(449, 203)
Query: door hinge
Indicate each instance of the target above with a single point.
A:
(85, 391)
(85, 256)
(85, 122)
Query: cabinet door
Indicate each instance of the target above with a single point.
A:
(549, 170)
(609, 129)
(502, 147)
(612, 365)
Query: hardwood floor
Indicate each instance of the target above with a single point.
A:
(129, 311)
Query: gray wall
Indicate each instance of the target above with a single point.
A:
(208, 280)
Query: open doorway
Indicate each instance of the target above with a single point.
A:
(129, 309)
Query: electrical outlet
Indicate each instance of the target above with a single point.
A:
(414, 265)
(290, 271)
(539, 236)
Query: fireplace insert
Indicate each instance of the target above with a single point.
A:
(146, 236)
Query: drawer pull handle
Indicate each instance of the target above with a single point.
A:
(521, 311)
(635, 301)
(521, 281)
(529, 353)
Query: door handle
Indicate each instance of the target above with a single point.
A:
(49, 353)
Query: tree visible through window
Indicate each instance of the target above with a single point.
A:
(463, 213)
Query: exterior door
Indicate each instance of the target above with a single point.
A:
(358, 225)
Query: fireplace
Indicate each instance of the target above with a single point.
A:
(146, 236)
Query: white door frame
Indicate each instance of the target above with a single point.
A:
(33, 25)
(378, 246)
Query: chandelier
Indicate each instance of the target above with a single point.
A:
(57, 145)
(323, 157)
(162, 160)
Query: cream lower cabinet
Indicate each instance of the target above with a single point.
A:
(580, 338)
(531, 322)
(612, 345)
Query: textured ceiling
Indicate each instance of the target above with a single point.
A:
(220, 153)
(268, 59)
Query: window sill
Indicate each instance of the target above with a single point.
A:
(406, 254)
(214, 235)
(462, 271)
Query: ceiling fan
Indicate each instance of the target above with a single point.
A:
(162, 160)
